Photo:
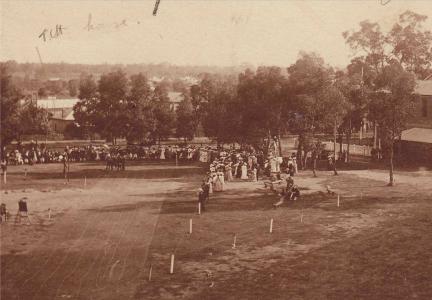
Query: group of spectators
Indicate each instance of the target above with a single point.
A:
(40, 153)
(248, 165)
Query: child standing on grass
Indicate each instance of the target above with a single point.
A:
(290, 182)
(295, 193)
(206, 189)
(201, 198)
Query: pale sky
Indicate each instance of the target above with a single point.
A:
(196, 32)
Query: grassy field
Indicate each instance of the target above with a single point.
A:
(109, 229)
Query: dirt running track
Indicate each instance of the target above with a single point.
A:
(103, 237)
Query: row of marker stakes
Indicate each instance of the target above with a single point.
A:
(190, 232)
(235, 236)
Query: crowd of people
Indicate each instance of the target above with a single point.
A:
(40, 153)
(248, 165)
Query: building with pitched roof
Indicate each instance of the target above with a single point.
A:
(416, 141)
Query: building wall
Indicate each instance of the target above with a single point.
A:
(422, 116)
(59, 113)
(417, 152)
(174, 106)
(59, 125)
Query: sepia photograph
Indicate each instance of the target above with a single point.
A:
(216, 149)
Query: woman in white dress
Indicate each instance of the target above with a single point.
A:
(294, 159)
(19, 157)
(210, 183)
(216, 182)
(274, 165)
(228, 171)
(219, 182)
(222, 177)
(254, 173)
(162, 153)
(244, 174)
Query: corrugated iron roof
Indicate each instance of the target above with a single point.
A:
(175, 97)
(424, 87)
(57, 103)
(419, 135)
(70, 116)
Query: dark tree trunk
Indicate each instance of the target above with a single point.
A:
(269, 138)
(299, 153)
(280, 145)
(375, 134)
(391, 182)
(314, 165)
(348, 142)
(334, 148)
(305, 160)
(334, 168)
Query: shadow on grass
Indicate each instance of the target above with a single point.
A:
(185, 201)
(102, 173)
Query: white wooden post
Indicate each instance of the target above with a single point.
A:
(199, 208)
(338, 200)
(190, 226)
(234, 243)
(271, 225)
(172, 264)
(150, 272)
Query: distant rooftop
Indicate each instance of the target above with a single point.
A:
(70, 116)
(57, 103)
(424, 87)
(419, 135)
(61, 113)
(51, 103)
(175, 97)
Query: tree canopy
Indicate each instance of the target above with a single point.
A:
(18, 119)
(390, 62)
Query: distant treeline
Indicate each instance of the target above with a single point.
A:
(68, 71)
